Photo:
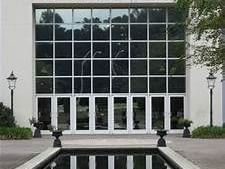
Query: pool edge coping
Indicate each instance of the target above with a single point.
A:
(176, 158)
(40, 159)
(166, 152)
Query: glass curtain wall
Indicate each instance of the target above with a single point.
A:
(109, 51)
(132, 52)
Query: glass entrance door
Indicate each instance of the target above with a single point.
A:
(139, 113)
(176, 112)
(120, 113)
(82, 113)
(63, 113)
(158, 112)
(101, 113)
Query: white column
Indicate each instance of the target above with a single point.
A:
(92, 162)
(130, 162)
(73, 162)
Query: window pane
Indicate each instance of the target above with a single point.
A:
(157, 67)
(176, 84)
(101, 32)
(157, 50)
(101, 113)
(175, 16)
(138, 112)
(63, 85)
(176, 50)
(63, 50)
(119, 32)
(82, 50)
(101, 85)
(157, 32)
(82, 85)
(177, 67)
(119, 50)
(44, 32)
(82, 32)
(119, 67)
(176, 32)
(101, 162)
(82, 161)
(119, 15)
(101, 67)
(44, 15)
(139, 161)
(177, 112)
(158, 110)
(138, 15)
(44, 85)
(44, 112)
(82, 15)
(101, 15)
(138, 50)
(63, 32)
(120, 161)
(82, 67)
(157, 84)
(44, 68)
(157, 15)
(82, 123)
(138, 67)
(44, 50)
(63, 15)
(138, 32)
(63, 109)
(120, 85)
(63, 67)
(100, 50)
(120, 114)
(138, 85)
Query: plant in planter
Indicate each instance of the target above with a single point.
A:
(186, 123)
(56, 133)
(34, 122)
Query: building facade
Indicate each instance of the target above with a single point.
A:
(107, 67)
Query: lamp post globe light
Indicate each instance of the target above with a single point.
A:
(12, 85)
(211, 79)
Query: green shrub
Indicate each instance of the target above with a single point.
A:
(208, 132)
(184, 122)
(6, 117)
(12, 133)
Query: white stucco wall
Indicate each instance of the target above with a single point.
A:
(0, 51)
(199, 98)
(223, 99)
(17, 38)
(17, 56)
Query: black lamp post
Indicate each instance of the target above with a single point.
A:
(12, 85)
(211, 84)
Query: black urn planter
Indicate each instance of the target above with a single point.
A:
(186, 132)
(37, 131)
(161, 142)
(57, 141)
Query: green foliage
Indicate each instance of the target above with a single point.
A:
(6, 117)
(11, 133)
(184, 122)
(223, 125)
(206, 20)
(208, 132)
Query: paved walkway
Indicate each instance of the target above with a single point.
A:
(207, 154)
